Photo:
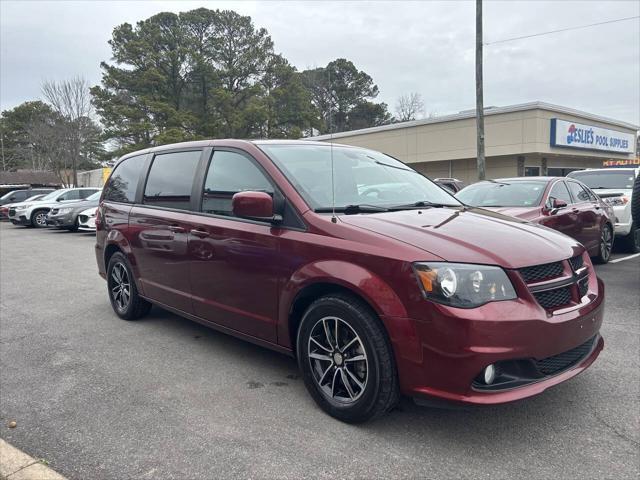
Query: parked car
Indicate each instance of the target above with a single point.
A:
(67, 216)
(4, 209)
(615, 186)
(34, 214)
(272, 242)
(87, 220)
(562, 204)
(452, 185)
(16, 196)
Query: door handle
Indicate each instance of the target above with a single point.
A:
(196, 232)
(176, 229)
(575, 210)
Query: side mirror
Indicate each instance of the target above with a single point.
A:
(557, 203)
(59, 199)
(255, 206)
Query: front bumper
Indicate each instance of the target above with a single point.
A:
(623, 220)
(442, 355)
(20, 219)
(64, 220)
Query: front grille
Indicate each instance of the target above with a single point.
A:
(562, 361)
(541, 272)
(583, 287)
(83, 218)
(554, 298)
(576, 262)
(12, 212)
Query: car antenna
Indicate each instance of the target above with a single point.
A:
(333, 186)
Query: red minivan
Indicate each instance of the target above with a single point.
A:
(378, 281)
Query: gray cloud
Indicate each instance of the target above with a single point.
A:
(427, 47)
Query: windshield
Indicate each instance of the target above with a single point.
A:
(52, 195)
(609, 179)
(361, 177)
(95, 196)
(35, 197)
(502, 194)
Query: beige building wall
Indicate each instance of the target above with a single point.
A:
(447, 146)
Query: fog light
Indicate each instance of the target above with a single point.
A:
(489, 374)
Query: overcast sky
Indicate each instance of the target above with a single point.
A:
(422, 46)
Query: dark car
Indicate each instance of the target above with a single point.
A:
(452, 185)
(273, 242)
(67, 216)
(16, 196)
(563, 204)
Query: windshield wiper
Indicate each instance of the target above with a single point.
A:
(498, 183)
(353, 209)
(422, 204)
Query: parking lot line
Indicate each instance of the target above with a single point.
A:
(628, 257)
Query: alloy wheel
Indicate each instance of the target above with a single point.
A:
(338, 360)
(120, 286)
(606, 243)
(41, 219)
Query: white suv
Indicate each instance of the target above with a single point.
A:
(615, 187)
(35, 213)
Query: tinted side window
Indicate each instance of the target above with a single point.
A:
(87, 193)
(171, 179)
(124, 180)
(559, 191)
(579, 193)
(230, 173)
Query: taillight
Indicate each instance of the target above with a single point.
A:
(98, 218)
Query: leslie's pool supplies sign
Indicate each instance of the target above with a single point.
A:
(587, 137)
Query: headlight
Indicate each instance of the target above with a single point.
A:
(462, 285)
(64, 210)
(23, 207)
(616, 201)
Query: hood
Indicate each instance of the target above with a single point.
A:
(78, 206)
(471, 236)
(526, 213)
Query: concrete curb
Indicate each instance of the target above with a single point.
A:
(17, 465)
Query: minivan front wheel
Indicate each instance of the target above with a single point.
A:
(346, 359)
(123, 293)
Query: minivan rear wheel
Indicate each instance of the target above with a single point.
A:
(123, 293)
(632, 240)
(346, 359)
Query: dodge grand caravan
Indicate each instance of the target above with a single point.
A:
(308, 249)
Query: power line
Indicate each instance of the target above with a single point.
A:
(562, 30)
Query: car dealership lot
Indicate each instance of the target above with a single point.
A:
(163, 397)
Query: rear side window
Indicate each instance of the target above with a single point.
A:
(579, 193)
(230, 173)
(87, 193)
(124, 180)
(171, 179)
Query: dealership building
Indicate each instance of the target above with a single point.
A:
(520, 140)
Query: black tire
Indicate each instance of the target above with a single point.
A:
(133, 307)
(605, 245)
(39, 219)
(76, 224)
(379, 392)
(631, 242)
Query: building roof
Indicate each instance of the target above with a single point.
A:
(29, 177)
(487, 112)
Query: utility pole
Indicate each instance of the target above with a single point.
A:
(4, 165)
(479, 94)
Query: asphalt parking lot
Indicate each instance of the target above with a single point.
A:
(165, 398)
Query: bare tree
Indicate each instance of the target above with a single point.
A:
(71, 100)
(409, 107)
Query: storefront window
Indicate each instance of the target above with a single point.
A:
(531, 171)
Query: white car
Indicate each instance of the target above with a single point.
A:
(34, 213)
(615, 187)
(87, 219)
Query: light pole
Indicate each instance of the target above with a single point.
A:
(479, 94)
